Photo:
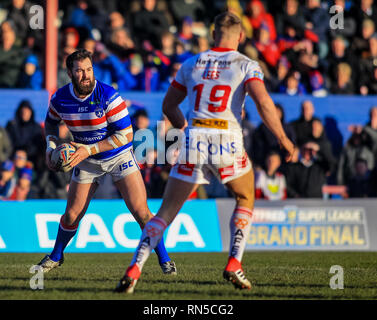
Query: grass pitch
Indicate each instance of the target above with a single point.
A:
(274, 275)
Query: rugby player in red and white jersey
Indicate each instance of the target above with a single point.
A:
(216, 83)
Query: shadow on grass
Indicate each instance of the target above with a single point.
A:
(289, 296)
(49, 290)
(310, 285)
(175, 293)
(171, 280)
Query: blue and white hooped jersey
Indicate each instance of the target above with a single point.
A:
(93, 118)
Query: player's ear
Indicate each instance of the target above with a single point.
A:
(69, 72)
(242, 36)
(213, 34)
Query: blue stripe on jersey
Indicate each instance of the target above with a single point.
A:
(120, 124)
(111, 153)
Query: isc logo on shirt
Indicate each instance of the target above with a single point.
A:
(83, 109)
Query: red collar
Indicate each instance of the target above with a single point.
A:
(218, 49)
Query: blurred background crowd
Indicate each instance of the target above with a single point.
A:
(140, 45)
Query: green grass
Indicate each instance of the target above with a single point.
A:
(274, 275)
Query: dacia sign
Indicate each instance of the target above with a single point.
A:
(107, 226)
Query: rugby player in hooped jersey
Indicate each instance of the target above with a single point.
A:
(216, 83)
(101, 127)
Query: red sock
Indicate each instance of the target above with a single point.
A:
(133, 271)
(233, 264)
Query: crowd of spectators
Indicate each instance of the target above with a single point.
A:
(317, 163)
(303, 46)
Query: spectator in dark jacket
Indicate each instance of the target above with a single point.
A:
(320, 138)
(317, 21)
(371, 131)
(265, 142)
(19, 12)
(11, 56)
(340, 53)
(308, 175)
(149, 23)
(25, 132)
(359, 184)
(303, 126)
(356, 147)
(368, 67)
(193, 9)
(360, 43)
(365, 10)
(373, 182)
(292, 16)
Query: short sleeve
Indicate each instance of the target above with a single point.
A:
(253, 72)
(179, 81)
(52, 116)
(116, 111)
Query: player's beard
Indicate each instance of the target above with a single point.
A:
(81, 88)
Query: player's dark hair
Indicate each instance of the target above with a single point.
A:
(78, 55)
(226, 20)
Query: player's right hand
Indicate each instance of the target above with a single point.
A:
(49, 163)
(289, 147)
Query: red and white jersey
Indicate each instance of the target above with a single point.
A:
(215, 84)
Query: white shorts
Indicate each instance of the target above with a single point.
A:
(120, 166)
(207, 152)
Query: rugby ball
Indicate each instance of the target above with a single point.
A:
(60, 157)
